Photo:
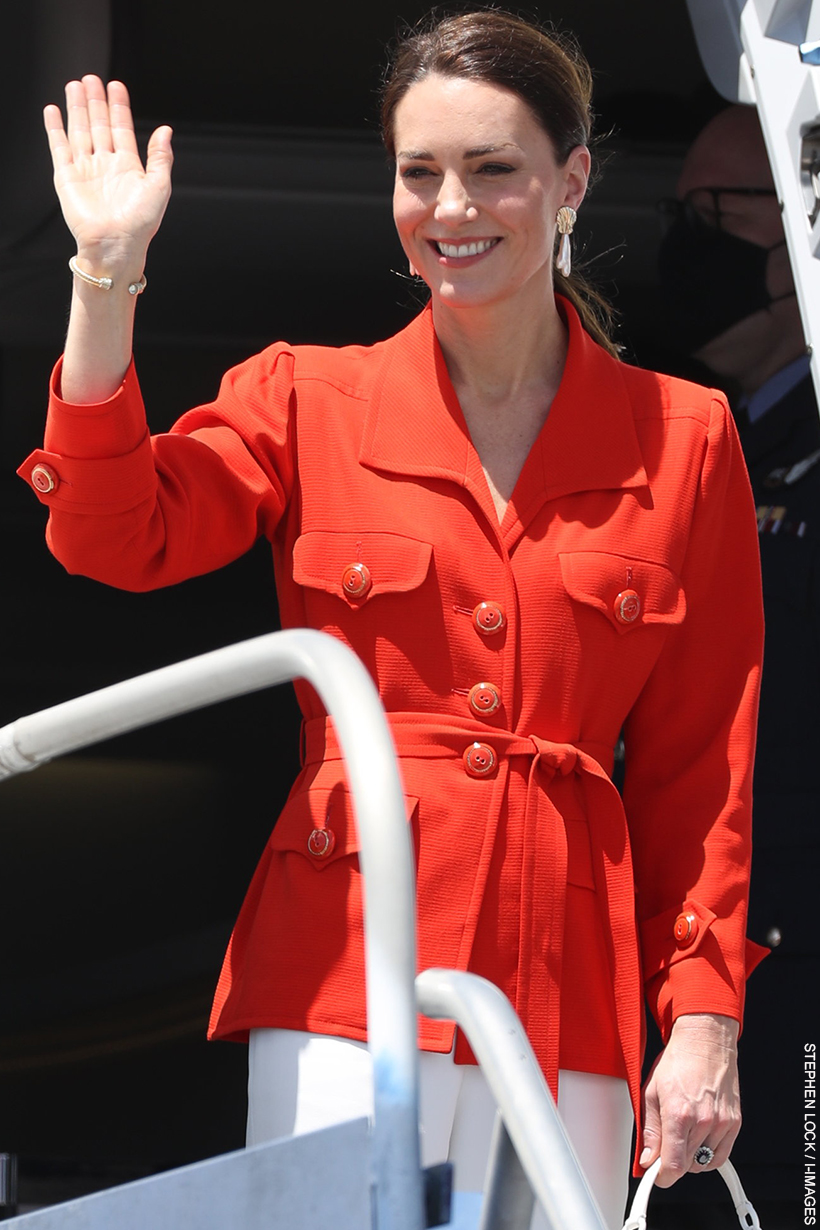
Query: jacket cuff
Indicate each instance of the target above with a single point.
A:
(674, 936)
(71, 484)
(109, 428)
(686, 969)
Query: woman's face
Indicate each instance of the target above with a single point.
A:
(476, 192)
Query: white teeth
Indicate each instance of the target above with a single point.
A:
(465, 249)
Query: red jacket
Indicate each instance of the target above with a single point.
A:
(621, 592)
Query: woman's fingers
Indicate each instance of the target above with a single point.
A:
(685, 1133)
(724, 1146)
(676, 1154)
(120, 119)
(110, 201)
(99, 124)
(652, 1130)
(57, 139)
(159, 155)
(720, 1140)
(99, 120)
(78, 124)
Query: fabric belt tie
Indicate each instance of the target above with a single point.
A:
(544, 863)
(433, 736)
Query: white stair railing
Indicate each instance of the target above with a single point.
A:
(386, 855)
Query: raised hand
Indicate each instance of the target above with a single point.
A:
(113, 206)
(111, 203)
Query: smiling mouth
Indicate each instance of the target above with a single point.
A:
(454, 250)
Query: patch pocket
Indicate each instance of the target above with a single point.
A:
(320, 827)
(360, 566)
(630, 592)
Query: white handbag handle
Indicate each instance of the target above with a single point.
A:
(743, 1206)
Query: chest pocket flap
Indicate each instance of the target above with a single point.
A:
(359, 566)
(629, 592)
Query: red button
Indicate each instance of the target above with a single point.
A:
(321, 843)
(484, 698)
(479, 760)
(686, 930)
(627, 606)
(489, 618)
(44, 480)
(356, 580)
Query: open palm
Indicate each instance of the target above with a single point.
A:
(110, 201)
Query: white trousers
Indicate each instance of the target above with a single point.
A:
(299, 1082)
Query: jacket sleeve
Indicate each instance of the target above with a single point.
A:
(140, 512)
(689, 753)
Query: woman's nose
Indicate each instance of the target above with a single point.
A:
(453, 204)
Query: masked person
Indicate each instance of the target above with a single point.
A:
(730, 302)
(531, 546)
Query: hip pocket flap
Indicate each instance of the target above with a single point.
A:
(319, 825)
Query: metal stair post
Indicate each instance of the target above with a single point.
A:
(508, 1196)
(503, 1050)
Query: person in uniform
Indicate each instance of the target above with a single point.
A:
(730, 300)
(531, 546)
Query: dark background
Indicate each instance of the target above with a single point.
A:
(123, 866)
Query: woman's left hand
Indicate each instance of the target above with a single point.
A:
(692, 1097)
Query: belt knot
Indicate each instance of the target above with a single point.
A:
(560, 757)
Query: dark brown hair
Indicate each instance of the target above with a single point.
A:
(546, 70)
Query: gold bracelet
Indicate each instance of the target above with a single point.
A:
(134, 288)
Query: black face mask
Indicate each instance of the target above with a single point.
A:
(710, 280)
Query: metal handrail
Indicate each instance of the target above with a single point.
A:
(516, 1081)
(350, 697)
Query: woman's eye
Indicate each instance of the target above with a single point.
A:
(495, 168)
(416, 172)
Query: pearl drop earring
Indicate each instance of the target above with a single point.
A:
(565, 219)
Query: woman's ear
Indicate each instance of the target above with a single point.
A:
(576, 175)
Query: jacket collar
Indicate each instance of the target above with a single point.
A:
(415, 425)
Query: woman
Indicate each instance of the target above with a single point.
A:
(530, 545)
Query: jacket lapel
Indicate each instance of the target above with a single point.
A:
(415, 426)
(589, 441)
(414, 423)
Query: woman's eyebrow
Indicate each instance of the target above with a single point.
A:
(482, 150)
(423, 155)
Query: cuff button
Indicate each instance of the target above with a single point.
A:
(685, 929)
(44, 480)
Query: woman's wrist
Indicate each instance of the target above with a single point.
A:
(711, 1027)
(120, 261)
(105, 282)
